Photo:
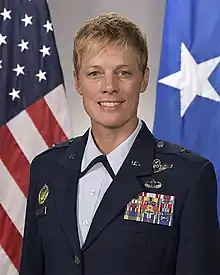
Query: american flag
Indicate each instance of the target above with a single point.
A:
(33, 112)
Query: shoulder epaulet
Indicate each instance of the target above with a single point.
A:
(171, 148)
(58, 145)
(62, 144)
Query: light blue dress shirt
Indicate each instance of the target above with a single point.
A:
(93, 185)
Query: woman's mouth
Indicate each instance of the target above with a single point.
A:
(110, 104)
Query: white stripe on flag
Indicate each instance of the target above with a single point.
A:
(24, 132)
(57, 102)
(6, 266)
(12, 199)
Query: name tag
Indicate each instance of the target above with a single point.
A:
(41, 212)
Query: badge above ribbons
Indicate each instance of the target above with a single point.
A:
(151, 208)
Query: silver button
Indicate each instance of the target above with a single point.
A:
(92, 193)
(76, 260)
(71, 140)
(85, 223)
(160, 144)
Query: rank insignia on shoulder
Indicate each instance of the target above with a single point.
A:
(43, 194)
(185, 151)
(158, 166)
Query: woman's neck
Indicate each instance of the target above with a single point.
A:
(107, 139)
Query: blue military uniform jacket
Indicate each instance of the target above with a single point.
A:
(157, 217)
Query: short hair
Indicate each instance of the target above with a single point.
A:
(100, 31)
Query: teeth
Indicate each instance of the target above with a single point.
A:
(109, 104)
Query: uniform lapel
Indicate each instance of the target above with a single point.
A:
(126, 185)
(68, 167)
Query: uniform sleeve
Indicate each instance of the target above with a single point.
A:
(198, 252)
(32, 262)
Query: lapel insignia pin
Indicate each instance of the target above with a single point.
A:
(71, 157)
(153, 184)
(159, 167)
(43, 194)
(135, 163)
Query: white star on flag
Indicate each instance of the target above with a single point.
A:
(27, 20)
(48, 26)
(41, 75)
(15, 94)
(0, 64)
(45, 50)
(192, 79)
(6, 14)
(23, 45)
(2, 39)
(19, 70)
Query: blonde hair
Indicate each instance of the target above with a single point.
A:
(104, 29)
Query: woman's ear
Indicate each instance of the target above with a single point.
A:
(77, 82)
(145, 80)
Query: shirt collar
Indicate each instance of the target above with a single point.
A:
(91, 151)
(116, 157)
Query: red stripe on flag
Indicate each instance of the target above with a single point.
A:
(46, 123)
(14, 159)
(10, 239)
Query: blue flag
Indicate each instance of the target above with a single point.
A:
(188, 91)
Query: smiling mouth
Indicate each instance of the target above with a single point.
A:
(110, 103)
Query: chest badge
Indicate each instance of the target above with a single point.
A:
(43, 194)
(153, 184)
(159, 167)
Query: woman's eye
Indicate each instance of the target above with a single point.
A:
(123, 73)
(94, 73)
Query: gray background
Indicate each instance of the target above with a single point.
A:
(69, 15)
